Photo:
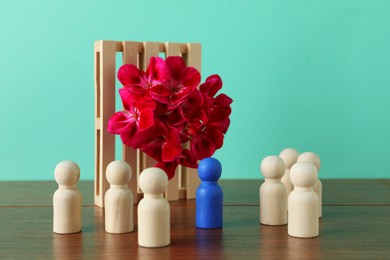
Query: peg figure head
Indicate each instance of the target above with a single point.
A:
(118, 173)
(272, 167)
(153, 180)
(303, 174)
(289, 156)
(67, 173)
(310, 157)
(209, 169)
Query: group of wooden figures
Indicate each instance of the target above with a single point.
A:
(153, 209)
(292, 193)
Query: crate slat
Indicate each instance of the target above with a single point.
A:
(130, 56)
(194, 59)
(172, 192)
(105, 108)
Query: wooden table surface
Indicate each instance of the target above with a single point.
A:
(355, 225)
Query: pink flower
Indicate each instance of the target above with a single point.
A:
(164, 109)
(142, 84)
(182, 81)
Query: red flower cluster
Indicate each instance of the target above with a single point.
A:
(163, 109)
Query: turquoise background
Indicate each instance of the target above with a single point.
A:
(314, 75)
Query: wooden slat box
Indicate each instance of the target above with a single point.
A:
(186, 180)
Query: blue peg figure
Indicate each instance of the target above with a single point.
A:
(209, 195)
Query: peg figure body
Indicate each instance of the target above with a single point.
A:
(118, 200)
(316, 161)
(67, 200)
(209, 195)
(153, 209)
(303, 202)
(289, 156)
(273, 193)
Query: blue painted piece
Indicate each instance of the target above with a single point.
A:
(209, 195)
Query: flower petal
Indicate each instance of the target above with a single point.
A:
(129, 74)
(127, 98)
(120, 122)
(172, 146)
(146, 118)
(223, 100)
(220, 113)
(217, 136)
(190, 77)
(160, 93)
(176, 66)
(158, 69)
(168, 167)
(194, 100)
(154, 151)
(128, 137)
(150, 136)
(202, 147)
(197, 118)
(211, 86)
(180, 96)
(225, 125)
(175, 118)
(187, 158)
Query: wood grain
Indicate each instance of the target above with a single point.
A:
(236, 192)
(334, 191)
(346, 232)
(355, 225)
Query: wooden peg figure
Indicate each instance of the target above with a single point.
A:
(209, 195)
(273, 193)
(303, 202)
(153, 209)
(118, 199)
(314, 159)
(289, 156)
(67, 199)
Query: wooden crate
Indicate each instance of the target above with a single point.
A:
(186, 180)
